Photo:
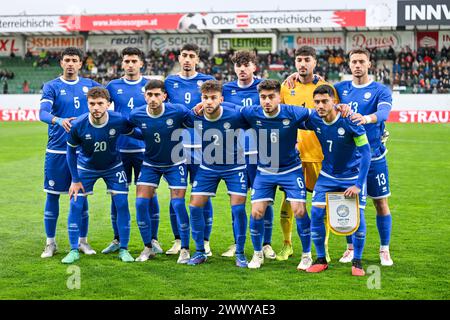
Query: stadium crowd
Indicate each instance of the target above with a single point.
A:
(421, 71)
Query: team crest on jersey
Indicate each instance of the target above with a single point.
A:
(88, 137)
(258, 123)
(233, 92)
(175, 85)
(286, 122)
(51, 183)
(119, 91)
(341, 131)
(85, 89)
(367, 95)
(199, 83)
(292, 92)
(226, 125)
(62, 92)
(143, 89)
(112, 132)
(345, 92)
(169, 122)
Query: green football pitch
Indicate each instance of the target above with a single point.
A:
(419, 163)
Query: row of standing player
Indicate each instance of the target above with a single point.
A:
(242, 91)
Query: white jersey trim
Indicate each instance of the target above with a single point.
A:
(211, 194)
(282, 172)
(234, 169)
(188, 78)
(295, 200)
(71, 83)
(147, 184)
(380, 157)
(132, 82)
(380, 197)
(331, 177)
(46, 100)
(384, 102)
(237, 193)
(73, 146)
(261, 200)
(56, 151)
(178, 187)
(362, 85)
(109, 191)
(56, 192)
(98, 126)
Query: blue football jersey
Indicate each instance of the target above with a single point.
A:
(221, 150)
(243, 96)
(341, 156)
(366, 99)
(162, 134)
(186, 91)
(277, 135)
(98, 144)
(126, 95)
(68, 99)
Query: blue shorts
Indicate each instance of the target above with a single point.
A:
(176, 176)
(326, 184)
(378, 180)
(57, 177)
(292, 182)
(206, 182)
(115, 179)
(194, 158)
(132, 160)
(251, 169)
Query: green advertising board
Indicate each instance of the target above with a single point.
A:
(263, 45)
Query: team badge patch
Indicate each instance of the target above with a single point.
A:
(112, 132)
(227, 125)
(341, 131)
(85, 89)
(286, 122)
(169, 122)
(367, 95)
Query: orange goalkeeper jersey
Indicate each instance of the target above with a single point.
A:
(302, 95)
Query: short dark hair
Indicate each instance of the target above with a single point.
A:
(211, 85)
(359, 51)
(306, 51)
(132, 51)
(243, 57)
(269, 84)
(98, 92)
(155, 84)
(72, 51)
(191, 47)
(324, 89)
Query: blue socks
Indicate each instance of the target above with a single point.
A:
(114, 219)
(123, 219)
(208, 216)
(51, 214)
(304, 232)
(173, 222)
(154, 216)
(74, 220)
(179, 207)
(143, 220)
(239, 226)
(256, 232)
(359, 237)
(268, 225)
(198, 227)
(384, 225)
(318, 230)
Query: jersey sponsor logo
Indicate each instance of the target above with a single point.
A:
(233, 92)
(88, 137)
(119, 91)
(112, 132)
(85, 89)
(341, 131)
(227, 125)
(144, 126)
(175, 85)
(286, 122)
(258, 123)
(345, 92)
(367, 95)
(62, 92)
(169, 122)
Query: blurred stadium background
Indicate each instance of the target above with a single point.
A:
(410, 45)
